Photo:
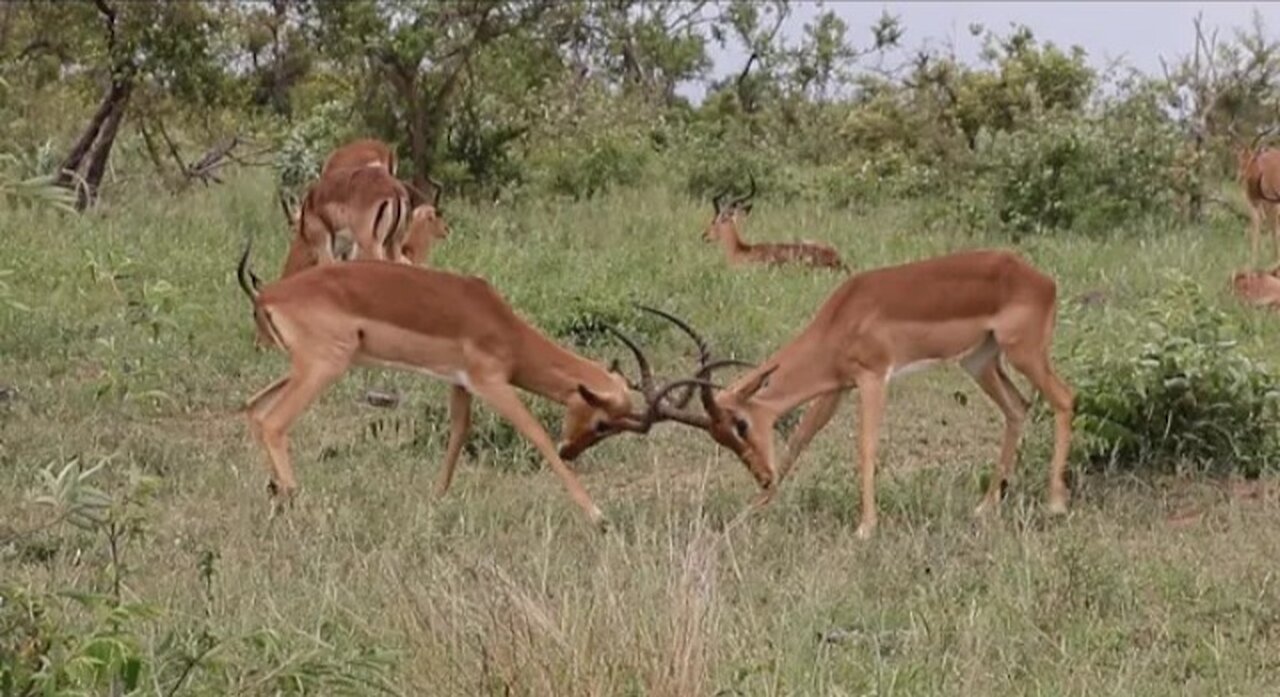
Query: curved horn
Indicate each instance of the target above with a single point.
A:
(284, 205)
(249, 282)
(705, 374)
(704, 353)
(1262, 133)
(750, 194)
(718, 200)
(436, 188)
(646, 373)
(656, 410)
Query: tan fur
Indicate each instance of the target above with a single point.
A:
(455, 328)
(724, 229)
(367, 203)
(970, 307)
(425, 229)
(361, 153)
(1259, 288)
(1259, 175)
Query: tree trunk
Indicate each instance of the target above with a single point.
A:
(75, 157)
(95, 141)
(102, 150)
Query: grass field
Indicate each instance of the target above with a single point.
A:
(128, 341)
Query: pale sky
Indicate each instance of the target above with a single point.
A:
(1139, 32)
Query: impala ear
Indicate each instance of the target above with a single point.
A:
(760, 382)
(592, 399)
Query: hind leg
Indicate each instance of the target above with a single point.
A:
(273, 415)
(997, 385)
(1033, 362)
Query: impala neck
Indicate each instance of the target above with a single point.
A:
(733, 245)
(552, 371)
(804, 371)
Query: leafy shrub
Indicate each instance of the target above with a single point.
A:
(1185, 396)
(307, 144)
(593, 165)
(1071, 172)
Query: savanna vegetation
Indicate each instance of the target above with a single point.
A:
(142, 144)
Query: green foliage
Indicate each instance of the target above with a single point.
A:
(1073, 173)
(1185, 395)
(306, 145)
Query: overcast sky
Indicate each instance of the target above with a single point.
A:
(1139, 32)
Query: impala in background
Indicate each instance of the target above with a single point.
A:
(1258, 170)
(724, 229)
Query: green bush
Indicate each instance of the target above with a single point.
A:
(1073, 173)
(1185, 396)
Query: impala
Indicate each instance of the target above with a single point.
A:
(451, 327)
(724, 228)
(367, 203)
(361, 153)
(1260, 288)
(971, 307)
(357, 153)
(1259, 175)
(426, 227)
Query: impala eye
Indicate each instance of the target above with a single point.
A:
(602, 427)
(740, 425)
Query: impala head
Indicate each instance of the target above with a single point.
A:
(1245, 154)
(737, 421)
(593, 414)
(731, 416)
(428, 220)
(728, 215)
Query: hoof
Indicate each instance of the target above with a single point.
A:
(273, 489)
(1058, 507)
(865, 531)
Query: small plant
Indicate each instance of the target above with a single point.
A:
(1186, 396)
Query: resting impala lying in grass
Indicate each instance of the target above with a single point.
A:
(454, 328)
(970, 307)
(724, 229)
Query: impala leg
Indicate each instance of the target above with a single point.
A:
(272, 419)
(816, 416)
(1273, 212)
(254, 407)
(257, 400)
(503, 398)
(459, 424)
(1255, 231)
(1039, 371)
(871, 403)
(993, 380)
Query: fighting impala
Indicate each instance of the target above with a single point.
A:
(724, 229)
(970, 307)
(1258, 171)
(451, 327)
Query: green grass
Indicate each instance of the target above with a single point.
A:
(126, 338)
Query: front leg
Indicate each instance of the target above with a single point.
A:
(503, 398)
(871, 402)
(816, 416)
(459, 424)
